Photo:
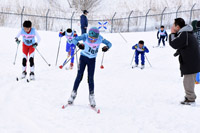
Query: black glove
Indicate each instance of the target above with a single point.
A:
(166, 39)
(105, 48)
(81, 46)
(35, 45)
(177, 53)
(17, 40)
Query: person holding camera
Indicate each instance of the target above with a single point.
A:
(183, 39)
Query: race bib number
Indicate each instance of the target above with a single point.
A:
(28, 41)
(92, 51)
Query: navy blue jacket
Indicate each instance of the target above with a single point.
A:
(84, 21)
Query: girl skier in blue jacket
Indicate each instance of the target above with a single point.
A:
(90, 46)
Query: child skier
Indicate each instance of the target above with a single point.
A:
(28, 47)
(90, 46)
(70, 47)
(163, 34)
(196, 30)
(140, 49)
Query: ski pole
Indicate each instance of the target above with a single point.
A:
(148, 61)
(132, 58)
(43, 57)
(58, 50)
(15, 55)
(76, 58)
(102, 67)
(123, 37)
(67, 60)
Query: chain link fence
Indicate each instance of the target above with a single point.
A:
(131, 22)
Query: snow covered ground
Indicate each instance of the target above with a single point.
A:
(131, 100)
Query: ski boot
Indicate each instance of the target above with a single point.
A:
(71, 65)
(72, 97)
(92, 100)
(23, 74)
(142, 67)
(136, 65)
(32, 76)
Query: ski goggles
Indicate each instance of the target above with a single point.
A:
(92, 39)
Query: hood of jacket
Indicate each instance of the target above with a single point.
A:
(187, 28)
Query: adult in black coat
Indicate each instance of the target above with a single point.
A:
(182, 39)
(84, 22)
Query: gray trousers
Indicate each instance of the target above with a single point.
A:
(189, 83)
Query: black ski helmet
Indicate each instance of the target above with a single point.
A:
(27, 24)
(69, 30)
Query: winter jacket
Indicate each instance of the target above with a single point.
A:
(162, 34)
(143, 49)
(187, 49)
(84, 21)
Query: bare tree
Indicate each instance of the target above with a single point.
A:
(85, 4)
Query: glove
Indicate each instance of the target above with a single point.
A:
(17, 41)
(105, 48)
(166, 39)
(177, 53)
(35, 45)
(81, 46)
(135, 46)
(60, 33)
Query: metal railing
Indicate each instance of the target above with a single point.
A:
(129, 23)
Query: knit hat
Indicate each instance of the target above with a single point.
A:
(194, 24)
(94, 32)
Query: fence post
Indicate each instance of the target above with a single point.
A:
(191, 13)
(162, 15)
(22, 16)
(177, 11)
(129, 19)
(146, 19)
(47, 18)
(71, 19)
(112, 22)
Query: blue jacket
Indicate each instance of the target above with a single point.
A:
(162, 33)
(138, 49)
(69, 38)
(91, 49)
(84, 21)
